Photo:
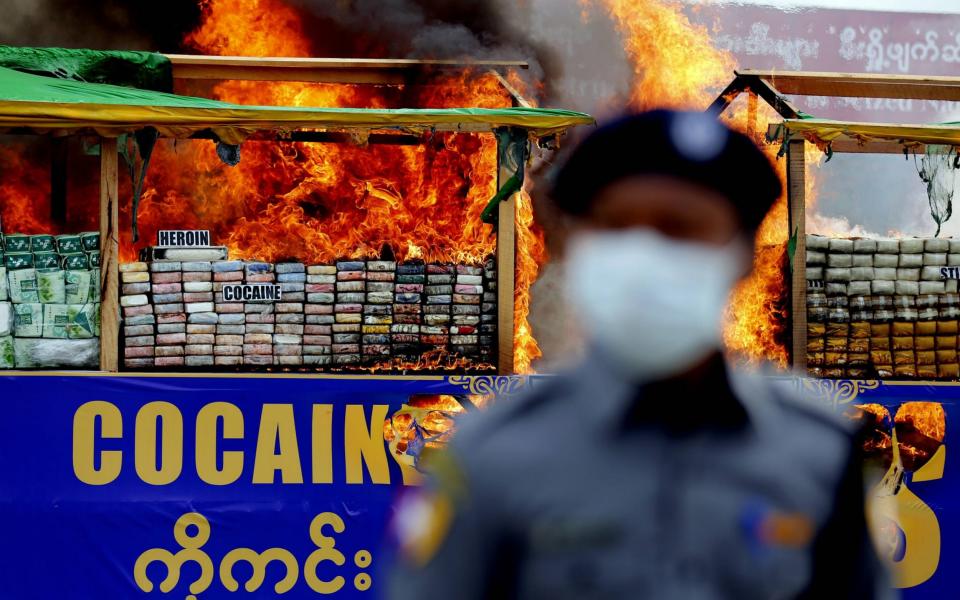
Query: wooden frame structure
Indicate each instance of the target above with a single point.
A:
(774, 87)
(348, 71)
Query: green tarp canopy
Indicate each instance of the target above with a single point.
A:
(145, 70)
(38, 104)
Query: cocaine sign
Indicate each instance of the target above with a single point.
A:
(251, 292)
(187, 238)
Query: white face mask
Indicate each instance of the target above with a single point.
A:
(652, 303)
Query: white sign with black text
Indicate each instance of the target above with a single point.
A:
(251, 292)
(185, 238)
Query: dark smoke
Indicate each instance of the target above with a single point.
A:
(440, 29)
(100, 24)
(429, 29)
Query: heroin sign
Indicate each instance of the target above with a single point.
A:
(187, 238)
(252, 292)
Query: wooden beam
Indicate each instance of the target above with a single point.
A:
(109, 257)
(58, 179)
(774, 98)
(727, 96)
(860, 85)
(506, 280)
(326, 70)
(849, 146)
(752, 107)
(796, 206)
(515, 95)
(326, 137)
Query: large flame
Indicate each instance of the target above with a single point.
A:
(25, 193)
(676, 66)
(320, 202)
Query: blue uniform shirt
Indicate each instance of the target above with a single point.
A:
(590, 486)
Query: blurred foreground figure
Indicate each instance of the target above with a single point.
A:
(651, 470)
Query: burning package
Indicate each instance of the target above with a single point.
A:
(882, 308)
(352, 313)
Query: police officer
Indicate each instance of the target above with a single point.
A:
(651, 470)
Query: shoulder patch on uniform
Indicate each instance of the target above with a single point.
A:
(421, 524)
(767, 526)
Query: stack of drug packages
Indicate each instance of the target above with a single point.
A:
(49, 301)
(353, 313)
(883, 308)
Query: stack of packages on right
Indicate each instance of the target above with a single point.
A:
(883, 308)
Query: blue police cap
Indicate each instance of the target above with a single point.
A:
(691, 146)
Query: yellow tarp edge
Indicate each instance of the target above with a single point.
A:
(825, 131)
(233, 125)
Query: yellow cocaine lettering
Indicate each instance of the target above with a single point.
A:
(363, 444)
(111, 425)
(159, 439)
(171, 443)
(277, 428)
(207, 443)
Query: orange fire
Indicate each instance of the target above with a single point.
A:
(321, 201)
(25, 194)
(676, 65)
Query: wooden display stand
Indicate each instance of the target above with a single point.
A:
(773, 87)
(352, 71)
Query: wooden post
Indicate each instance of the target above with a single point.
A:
(752, 113)
(109, 257)
(506, 279)
(796, 205)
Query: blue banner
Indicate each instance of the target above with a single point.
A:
(250, 486)
(913, 509)
(209, 487)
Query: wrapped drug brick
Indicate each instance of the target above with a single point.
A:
(7, 353)
(320, 289)
(816, 307)
(350, 296)
(862, 260)
(910, 261)
(380, 289)
(466, 309)
(818, 242)
(815, 258)
(22, 281)
(56, 353)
